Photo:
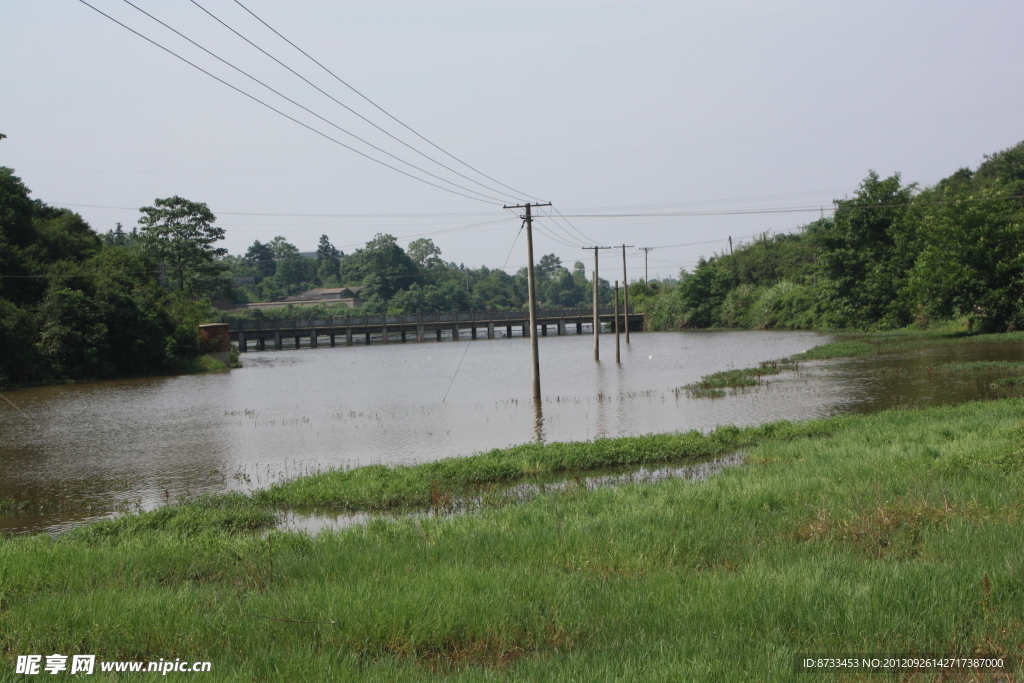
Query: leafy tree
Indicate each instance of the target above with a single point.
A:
(387, 267)
(548, 265)
(328, 261)
(261, 257)
(179, 234)
(865, 253)
(282, 248)
(425, 254)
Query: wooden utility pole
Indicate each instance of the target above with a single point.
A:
(618, 356)
(597, 317)
(730, 245)
(646, 250)
(532, 291)
(625, 292)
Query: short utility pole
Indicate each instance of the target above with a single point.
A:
(625, 291)
(597, 317)
(532, 290)
(646, 250)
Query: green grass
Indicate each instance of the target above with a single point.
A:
(378, 487)
(714, 384)
(982, 366)
(897, 532)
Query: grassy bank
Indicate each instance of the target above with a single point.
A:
(897, 532)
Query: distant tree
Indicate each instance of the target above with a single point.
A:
(282, 248)
(261, 257)
(327, 262)
(425, 254)
(179, 234)
(119, 238)
(548, 265)
(388, 268)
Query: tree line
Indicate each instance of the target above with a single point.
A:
(398, 281)
(891, 256)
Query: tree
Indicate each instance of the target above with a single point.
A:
(388, 268)
(282, 248)
(327, 262)
(425, 254)
(179, 234)
(865, 253)
(261, 257)
(548, 265)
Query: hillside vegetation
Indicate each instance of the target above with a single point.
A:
(891, 256)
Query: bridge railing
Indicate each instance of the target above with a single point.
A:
(479, 317)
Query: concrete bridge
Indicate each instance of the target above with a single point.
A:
(386, 329)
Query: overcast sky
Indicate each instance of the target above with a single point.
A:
(600, 107)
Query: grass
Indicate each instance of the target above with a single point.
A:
(378, 487)
(899, 532)
(714, 384)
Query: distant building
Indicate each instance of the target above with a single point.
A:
(342, 296)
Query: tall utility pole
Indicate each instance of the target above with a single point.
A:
(597, 318)
(646, 250)
(618, 356)
(625, 291)
(532, 291)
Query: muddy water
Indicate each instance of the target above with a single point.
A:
(149, 441)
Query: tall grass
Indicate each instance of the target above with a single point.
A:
(899, 532)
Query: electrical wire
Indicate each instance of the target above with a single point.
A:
(278, 111)
(384, 111)
(353, 111)
(304, 108)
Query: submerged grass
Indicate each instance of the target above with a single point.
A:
(379, 487)
(899, 532)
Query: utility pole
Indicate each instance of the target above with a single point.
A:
(597, 318)
(625, 291)
(646, 250)
(618, 357)
(532, 290)
(730, 245)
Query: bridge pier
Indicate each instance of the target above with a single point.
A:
(472, 332)
(561, 328)
(261, 344)
(438, 331)
(403, 336)
(278, 342)
(579, 327)
(313, 339)
(455, 332)
(384, 335)
(367, 338)
(508, 330)
(490, 330)
(297, 342)
(242, 345)
(332, 341)
(419, 333)
(543, 329)
(348, 336)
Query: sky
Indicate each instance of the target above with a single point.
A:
(734, 118)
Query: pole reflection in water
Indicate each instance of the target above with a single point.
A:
(538, 422)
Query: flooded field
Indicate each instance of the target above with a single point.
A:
(142, 443)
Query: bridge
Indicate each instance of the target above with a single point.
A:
(386, 329)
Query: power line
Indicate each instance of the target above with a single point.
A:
(808, 209)
(384, 111)
(304, 108)
(278, 111)
(350, 109)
